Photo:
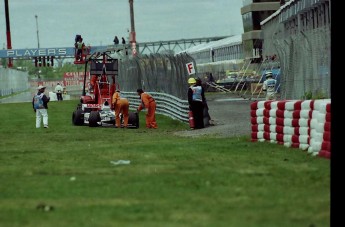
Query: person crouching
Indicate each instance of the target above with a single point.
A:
(149, 103)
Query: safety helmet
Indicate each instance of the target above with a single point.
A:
(268, 74)
(191, 80)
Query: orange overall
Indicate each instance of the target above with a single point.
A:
(93, 81)
(150, 104)
(121, 105)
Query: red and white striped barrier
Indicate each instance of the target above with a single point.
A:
(294, 123)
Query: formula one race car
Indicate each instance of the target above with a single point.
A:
(95, 107)
(95, 104)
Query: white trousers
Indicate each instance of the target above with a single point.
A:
(270, 96)
(41, 113)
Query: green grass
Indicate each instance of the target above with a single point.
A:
(171, 180)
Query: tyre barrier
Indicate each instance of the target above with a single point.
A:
(294, 123)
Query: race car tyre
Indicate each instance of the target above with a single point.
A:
(78, 117)
(94, 118)
(133, 120)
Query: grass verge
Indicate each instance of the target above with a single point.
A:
(170, 181)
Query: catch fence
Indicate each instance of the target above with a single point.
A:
(302, 42)
(162, 73)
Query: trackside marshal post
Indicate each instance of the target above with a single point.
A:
(190, 68)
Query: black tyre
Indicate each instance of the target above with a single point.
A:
(137, 120)
(133, 120)
(206, 117)
(94, 118)
(78, 117)
(122, 120)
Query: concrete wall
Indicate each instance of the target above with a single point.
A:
(12, 81)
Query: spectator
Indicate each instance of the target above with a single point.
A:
(269, 86)
(121, 106)
(196, 99)
(80, 47)
(148, 102)
(40, 106)
(123, 41)
(58, 91)
(116, 40)
(77, 38)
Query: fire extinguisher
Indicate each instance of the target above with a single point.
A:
(191, 120)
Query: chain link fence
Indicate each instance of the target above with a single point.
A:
(303, 46)
(163, 73)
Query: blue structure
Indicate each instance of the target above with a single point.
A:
(64, 52)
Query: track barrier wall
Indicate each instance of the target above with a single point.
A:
(167, 105)
(12, 81)
(294, 123)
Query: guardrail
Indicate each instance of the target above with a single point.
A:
(10, 91)
(167, 105)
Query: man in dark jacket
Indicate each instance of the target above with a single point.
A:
(196, 100)
(206, 115)
(40, 106)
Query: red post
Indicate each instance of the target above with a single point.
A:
(8, 33)
(191, 120)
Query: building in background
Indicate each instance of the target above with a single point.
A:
(290, 38)
(253, 12)
(298, 37)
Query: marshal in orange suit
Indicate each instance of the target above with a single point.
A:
(149, 103)
(121, 105)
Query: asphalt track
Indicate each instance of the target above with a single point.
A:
(230, 117)
(22, 97)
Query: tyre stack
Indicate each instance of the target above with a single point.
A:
(320, 143)
(293, 123)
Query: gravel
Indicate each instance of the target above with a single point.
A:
(230, 117)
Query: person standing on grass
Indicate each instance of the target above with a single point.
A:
(121, 105)
(40, 106)
(196, 98)
(148, 102)
(58, 91)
